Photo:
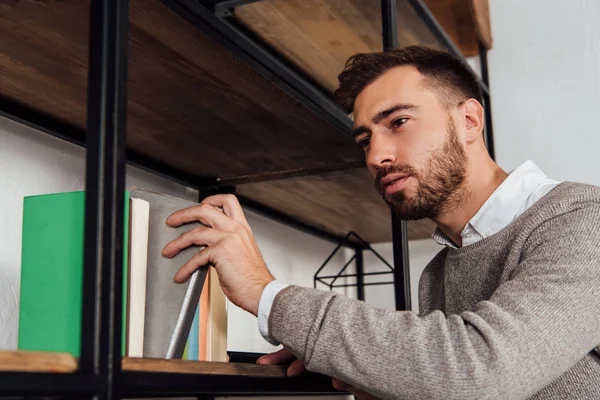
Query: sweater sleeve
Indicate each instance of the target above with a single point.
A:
(535, 326)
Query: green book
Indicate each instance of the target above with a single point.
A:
(52, 272)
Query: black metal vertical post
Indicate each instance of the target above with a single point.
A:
(389, 24)
(401, 263)
(104, 204)
(399, 227)
(489, 132)
(360, 279)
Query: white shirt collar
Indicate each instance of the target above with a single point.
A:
(519, 191)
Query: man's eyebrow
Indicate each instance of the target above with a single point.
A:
(360, 130)
(387, 112)
(383, 115)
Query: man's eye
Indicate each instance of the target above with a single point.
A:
(363, 143)
(397, 123)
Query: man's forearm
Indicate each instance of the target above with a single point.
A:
(401, 355)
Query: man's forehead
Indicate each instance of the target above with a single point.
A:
(399, 85)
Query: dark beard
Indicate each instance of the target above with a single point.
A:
(439, 189)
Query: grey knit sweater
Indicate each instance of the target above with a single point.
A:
(513, 316)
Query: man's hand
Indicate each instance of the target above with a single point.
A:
(283, 356)
(296, 367)
(359, 394)
(230, 248)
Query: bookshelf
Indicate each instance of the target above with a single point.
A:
(201, 92)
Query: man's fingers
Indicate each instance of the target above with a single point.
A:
(340, 385)
(205, 213)
(282, 356)
(359, 394)
(198, 236)
(200, 259)
(296, 368)
(230, 205)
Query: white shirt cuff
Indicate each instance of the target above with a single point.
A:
(264, 308)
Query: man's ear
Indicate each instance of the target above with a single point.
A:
(474, 120)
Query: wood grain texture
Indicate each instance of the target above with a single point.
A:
(191, 104)
(33, 361)
(289, 174)
(481, 14)
(338, 202)
(203, 367)
(411, 29)
(320, 35)
(465, 21)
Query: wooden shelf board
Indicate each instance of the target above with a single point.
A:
(33, 361)
(337, 202)
(203, 367)
(466, 22)
(319, 36)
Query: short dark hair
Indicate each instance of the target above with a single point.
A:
(443, 72)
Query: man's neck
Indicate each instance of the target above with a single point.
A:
(480, 185)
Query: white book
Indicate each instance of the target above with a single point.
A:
(136, 280)
(169, 306)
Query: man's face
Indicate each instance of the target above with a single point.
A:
(412, 147)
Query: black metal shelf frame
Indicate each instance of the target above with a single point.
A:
(358, 259)
(99, 375)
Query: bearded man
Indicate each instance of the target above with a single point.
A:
(509, 309)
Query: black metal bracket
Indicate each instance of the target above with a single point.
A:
(357, 258)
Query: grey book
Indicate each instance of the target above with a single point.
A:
(170, 306)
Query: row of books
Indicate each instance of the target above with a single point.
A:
(161, 318)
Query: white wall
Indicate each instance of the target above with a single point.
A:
(545, 86)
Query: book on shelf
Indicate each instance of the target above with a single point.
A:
(160, 316)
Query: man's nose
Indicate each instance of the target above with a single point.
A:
(382, 151)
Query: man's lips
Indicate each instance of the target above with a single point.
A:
(393, 183)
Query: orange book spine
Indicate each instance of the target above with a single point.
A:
(203, 321)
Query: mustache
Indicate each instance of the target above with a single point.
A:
(392, 169)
